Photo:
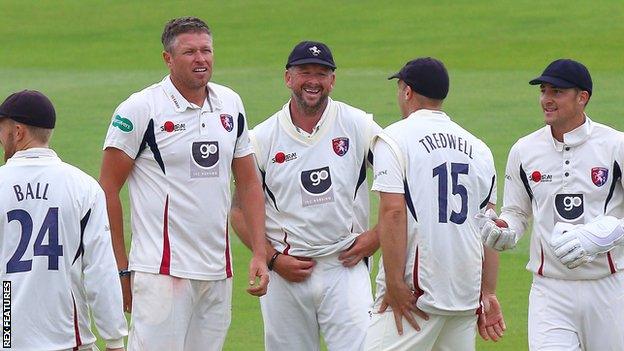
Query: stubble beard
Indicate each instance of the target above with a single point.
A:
(308, 109)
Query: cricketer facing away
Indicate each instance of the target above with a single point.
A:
(57, 260)
(433, 178)
(177, 143)
(568, 177)
(312, 155)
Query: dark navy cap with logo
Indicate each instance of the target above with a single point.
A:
(426, 76)
(29, 107)
(311, 52)
(566, 73)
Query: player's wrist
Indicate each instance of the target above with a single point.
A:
(273, 259)
(124, 272)
(115, 343)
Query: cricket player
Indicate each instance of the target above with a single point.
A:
(312, 155)
(433, 177)
(567, 176)
(57, 259)
(177, 143)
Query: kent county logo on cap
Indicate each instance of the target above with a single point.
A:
(227, 122)
(599, 175)
(124, 124)
(315, 51)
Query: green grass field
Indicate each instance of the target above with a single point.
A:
(88, 56)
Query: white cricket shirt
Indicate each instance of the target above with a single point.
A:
(57, 256)
(574, 181)
(447, 176)
(315, 185)
(180, 184)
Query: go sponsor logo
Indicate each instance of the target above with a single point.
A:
(569, 207)
(316, 186)
(204, 159)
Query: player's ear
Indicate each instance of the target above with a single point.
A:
(167, 58)
(288, 78)
(583, 98)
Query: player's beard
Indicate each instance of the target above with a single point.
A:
(310, 109)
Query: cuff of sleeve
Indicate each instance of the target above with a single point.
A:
(115, 343)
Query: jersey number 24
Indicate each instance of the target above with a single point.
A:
(52, 250)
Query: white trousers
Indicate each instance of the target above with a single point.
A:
(334, 301)
(439, 333)
(572, 315)
(177, 314)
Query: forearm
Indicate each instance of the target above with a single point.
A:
(253, 213)
(393, 239)
(115, 218)
(490, 271)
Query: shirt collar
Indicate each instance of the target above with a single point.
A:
(35, 152)
(574, 137)
(180, 104)
(425, 113)
(318, 125)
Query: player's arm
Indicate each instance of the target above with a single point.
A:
(116, 166)
(491, 324)
(504, 232)
(101, 281)
(251, 200)
(393, 236)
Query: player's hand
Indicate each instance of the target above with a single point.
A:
(258, 276)
(491, 323)
(576, 245)
(402, 301)
(364, 245)
(126, 291)
(495, 232)
(292, 268)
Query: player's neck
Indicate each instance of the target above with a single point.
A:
(196, 96)
(558, 130)
(304, 118)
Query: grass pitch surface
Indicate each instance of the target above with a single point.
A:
(88, 56)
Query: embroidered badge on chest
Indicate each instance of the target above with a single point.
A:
(340, 145)
(227, 122)
(599, 175)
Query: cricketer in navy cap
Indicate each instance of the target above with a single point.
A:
(29, 107)
(566, 73)
(426, 76)
(311, 52)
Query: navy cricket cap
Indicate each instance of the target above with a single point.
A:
(426, 76)
(311, 52)
(29, 107)
(566, 73)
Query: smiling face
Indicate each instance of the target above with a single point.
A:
(190, 61)
(563, 107)
(311, 85)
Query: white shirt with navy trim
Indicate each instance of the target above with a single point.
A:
(180, 184)
(447, 176)
(316, 193)
(57, 255)
(572, 181)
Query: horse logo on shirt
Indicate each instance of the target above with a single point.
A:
(599, 175)
(340, 145)
(227, 121)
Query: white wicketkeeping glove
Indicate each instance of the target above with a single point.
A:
(576, 245)
(494, 236)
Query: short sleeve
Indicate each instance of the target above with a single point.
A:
(387, 169)
(128, 125)
(243, 144)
